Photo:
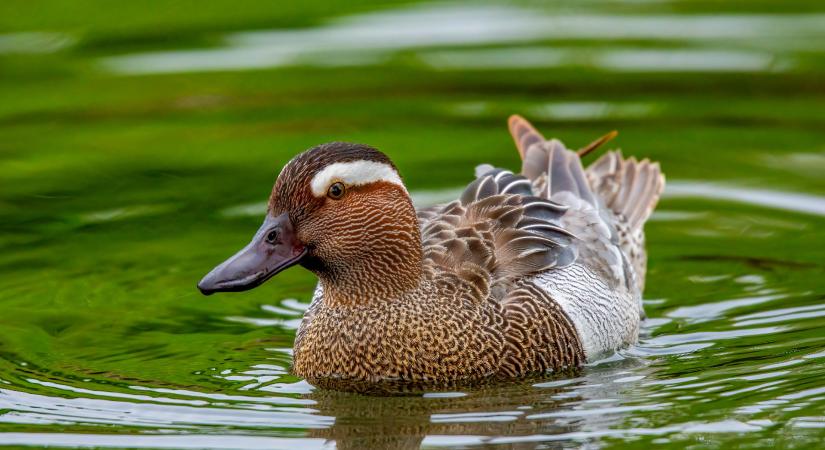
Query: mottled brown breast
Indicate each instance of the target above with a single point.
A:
(440, 336)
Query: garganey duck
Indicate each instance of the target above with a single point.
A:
(523, 274)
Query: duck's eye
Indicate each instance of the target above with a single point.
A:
(272, 237)
(336, 190)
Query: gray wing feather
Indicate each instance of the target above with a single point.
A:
(499, 228)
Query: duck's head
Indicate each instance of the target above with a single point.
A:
(342, 211)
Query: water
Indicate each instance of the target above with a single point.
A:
(137, 149)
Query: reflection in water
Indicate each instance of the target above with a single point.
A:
(404, 422)
(34, 42)
(619, 59)
(352, 421)
(368, 38)
(790, 201)
(216, 441)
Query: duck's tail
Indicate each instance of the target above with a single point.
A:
(549, 165)
(627, 187)
(630, 188)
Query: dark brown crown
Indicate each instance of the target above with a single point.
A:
(291, 191)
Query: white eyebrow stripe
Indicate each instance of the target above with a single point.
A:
(353, 173)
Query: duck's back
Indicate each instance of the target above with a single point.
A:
(574, 235)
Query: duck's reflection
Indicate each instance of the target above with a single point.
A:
(552, 412)
(364, 422)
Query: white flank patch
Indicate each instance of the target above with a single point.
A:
(355, 173)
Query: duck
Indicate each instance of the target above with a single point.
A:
(530, 273)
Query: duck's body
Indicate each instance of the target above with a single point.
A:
(523, 274)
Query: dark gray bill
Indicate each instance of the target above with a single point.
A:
(273, 249)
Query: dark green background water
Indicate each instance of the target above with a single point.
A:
(139, 141)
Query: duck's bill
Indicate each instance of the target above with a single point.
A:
(273, 249)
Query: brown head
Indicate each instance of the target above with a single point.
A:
(341, 211)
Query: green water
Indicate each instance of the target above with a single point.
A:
(138, 143)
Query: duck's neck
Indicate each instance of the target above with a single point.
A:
(387, 265)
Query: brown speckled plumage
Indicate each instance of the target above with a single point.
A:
(493, 285)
